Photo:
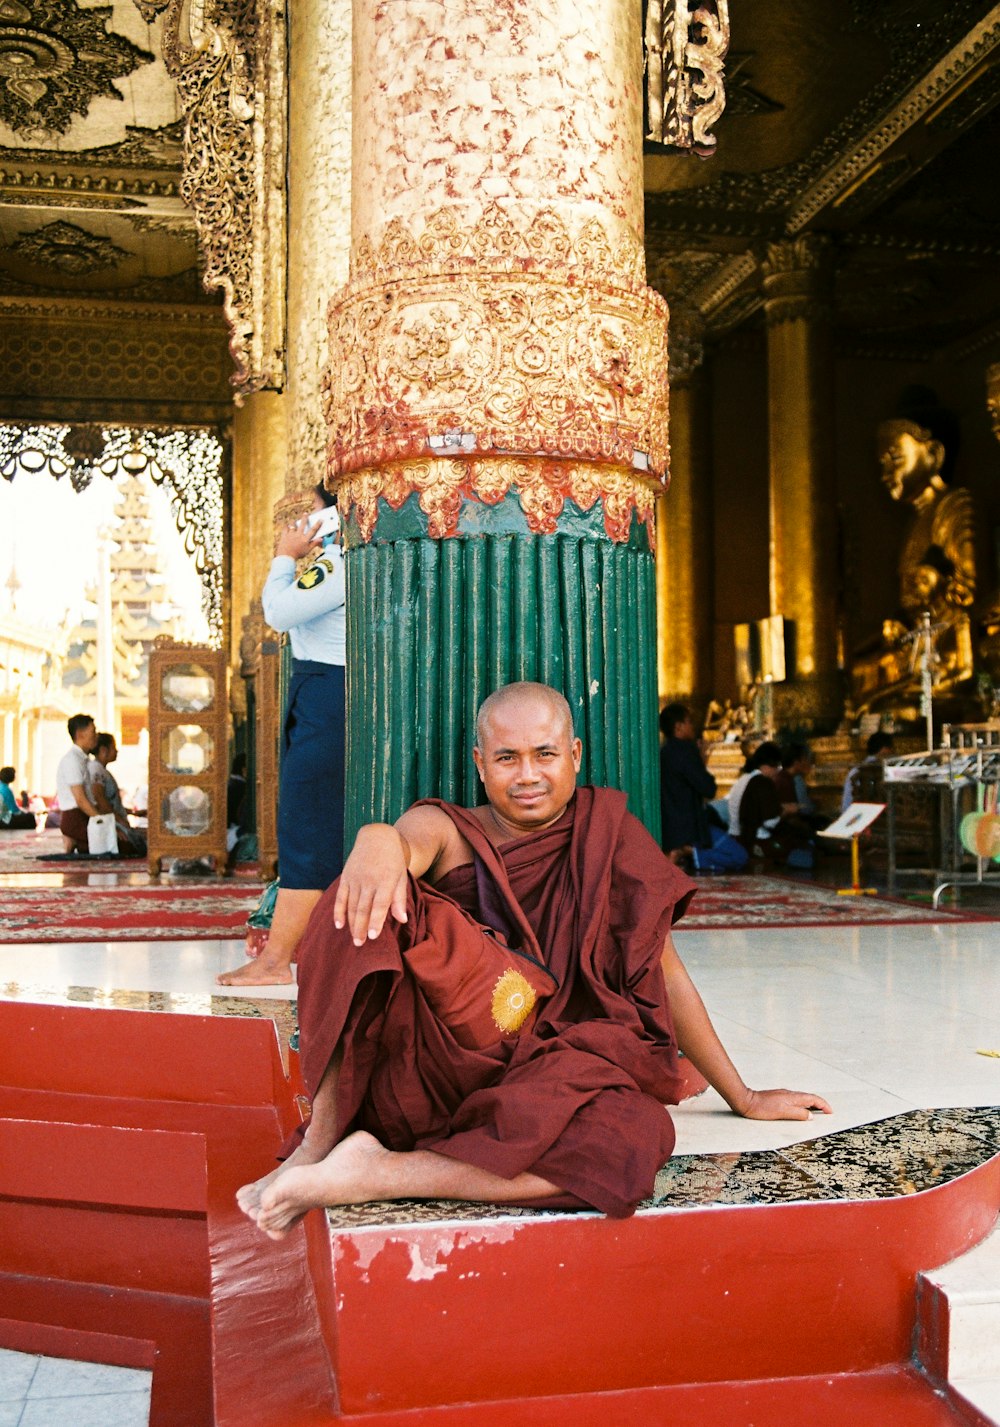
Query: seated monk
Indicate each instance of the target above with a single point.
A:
(558, 1101)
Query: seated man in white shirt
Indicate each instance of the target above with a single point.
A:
(102, 787)
(75, 805)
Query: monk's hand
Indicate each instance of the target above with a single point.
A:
(373, 882)
(781, 1105)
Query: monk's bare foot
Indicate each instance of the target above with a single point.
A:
(348, 1175)
(265, 971)
(248, 1196)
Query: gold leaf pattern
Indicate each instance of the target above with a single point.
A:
(535, 339)
(542, 487)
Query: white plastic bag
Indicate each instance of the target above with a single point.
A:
(102, 835)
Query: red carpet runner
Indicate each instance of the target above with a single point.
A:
(125, 913)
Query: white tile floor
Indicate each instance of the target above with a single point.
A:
(876, 1019)
(55, 1392)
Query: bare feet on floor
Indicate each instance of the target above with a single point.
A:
(308, 1153)
(265, 971)
(350, 1174)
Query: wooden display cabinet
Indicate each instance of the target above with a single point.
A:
(188, 753)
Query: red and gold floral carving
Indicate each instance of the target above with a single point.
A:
(542, 487)
(496, 341)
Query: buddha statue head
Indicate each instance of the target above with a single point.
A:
(910, 459)
(916, 448)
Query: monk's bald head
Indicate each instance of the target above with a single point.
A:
(523, 698)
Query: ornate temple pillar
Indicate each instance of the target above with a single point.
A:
(319, 224)
(685, 564)
(497, 391)
(802, 505)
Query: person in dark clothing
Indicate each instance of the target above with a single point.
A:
(688, 828)
(764, 822)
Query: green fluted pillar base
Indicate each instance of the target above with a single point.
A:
(436, 625)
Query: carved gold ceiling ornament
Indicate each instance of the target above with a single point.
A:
(55, 59)
(68, 249)
(444, 484)
(685, 72)
(188, 461)
(552, 360)
(228, 58)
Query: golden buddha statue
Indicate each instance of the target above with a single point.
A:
(937, 575)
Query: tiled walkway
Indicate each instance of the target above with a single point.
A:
(55, 1392)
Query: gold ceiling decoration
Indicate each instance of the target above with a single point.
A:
(68, 249)
(228, 58)
(685, 72)
(55, 58)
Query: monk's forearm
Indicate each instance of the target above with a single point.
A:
(421, 832)
(698, 1038)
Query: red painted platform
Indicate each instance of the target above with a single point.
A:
(123, 1139)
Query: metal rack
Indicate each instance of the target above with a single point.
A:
(954, 774)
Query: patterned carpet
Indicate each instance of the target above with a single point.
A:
(30, 852)
(217, 909)
(765, 901)
(209, 912)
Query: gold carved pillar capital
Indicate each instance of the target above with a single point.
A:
(797, 280)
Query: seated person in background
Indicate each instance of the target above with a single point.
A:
(793, 791)
(759, 817)
(103, 789)
(75, 805)
(877, 749)
(12, 817)
(543, 1085)
(690, 829)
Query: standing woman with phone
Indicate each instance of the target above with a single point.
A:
(311, 793)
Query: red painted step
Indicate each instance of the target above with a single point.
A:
(566, 1321)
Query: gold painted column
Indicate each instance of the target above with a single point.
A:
(685, 561)
(497, 390)
(803, 526)
(319, 223)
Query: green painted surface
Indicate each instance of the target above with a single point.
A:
(436, 625)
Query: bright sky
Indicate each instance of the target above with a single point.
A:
(51, 533)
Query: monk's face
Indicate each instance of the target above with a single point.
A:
(528, 764)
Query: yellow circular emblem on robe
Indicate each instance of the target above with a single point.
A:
(513, 999)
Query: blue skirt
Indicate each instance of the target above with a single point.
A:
(311, 794)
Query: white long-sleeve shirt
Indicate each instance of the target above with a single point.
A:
(311, 608)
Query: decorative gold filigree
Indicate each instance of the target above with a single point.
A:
(55, 60)
(227, 57)
(538, 362)
(501, 242)
(685, 65)
(442, 485)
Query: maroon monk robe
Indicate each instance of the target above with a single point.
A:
(579, 1098)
